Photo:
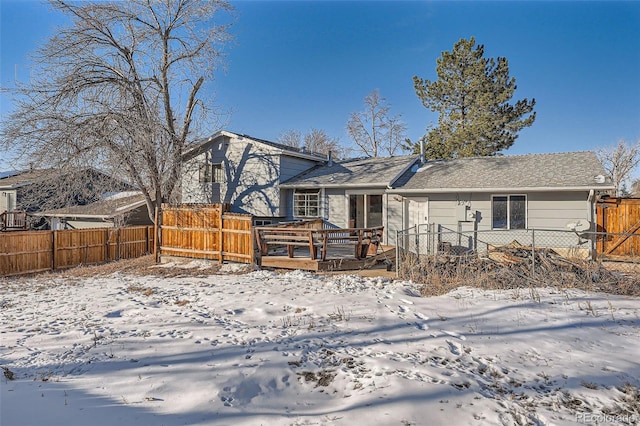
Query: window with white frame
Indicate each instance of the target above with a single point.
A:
(509, 212)
(211, 172)
(306, 203)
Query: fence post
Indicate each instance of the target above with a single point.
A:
(146, 240)
(533, 253)
(118, 255)
(157, 230)
(220, 236)
(475, 235)
(106, 244)
(252, 248)
(397, 253)
(54, 249)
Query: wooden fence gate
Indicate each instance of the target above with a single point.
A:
(206, 231)
(619, 218)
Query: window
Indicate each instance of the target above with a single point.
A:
(509, 212)
(306, 203)
(211, 173)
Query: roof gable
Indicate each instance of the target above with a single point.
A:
(357, 172)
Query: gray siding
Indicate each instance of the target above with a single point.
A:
(545, 210)
(252, 175)
(4, 196)
(250, 181)
(555, 210)
(337, 207)
(293, 166)
(393, 217)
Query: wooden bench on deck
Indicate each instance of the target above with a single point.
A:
(360, 238)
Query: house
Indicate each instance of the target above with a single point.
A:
(499, 193)
(536, 191)
(541, 191)
(245, 172)
(44, 189)
(120, 209)
(346, 194)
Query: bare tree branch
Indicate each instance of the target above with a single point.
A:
(619, 161)
(120, 90)
(373, 131)
(315, 140)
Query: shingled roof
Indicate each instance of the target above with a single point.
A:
(106, 208)
(16, 179)
(361, 172)
(533, 172)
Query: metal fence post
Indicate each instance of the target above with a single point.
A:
(397, 254)
(533, 253)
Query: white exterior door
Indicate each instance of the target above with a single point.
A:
(417, 212)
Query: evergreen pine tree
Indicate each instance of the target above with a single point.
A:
(472, 95)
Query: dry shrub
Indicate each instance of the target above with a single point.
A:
(444, 273)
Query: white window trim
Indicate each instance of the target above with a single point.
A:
(526, 210)
(321, 203)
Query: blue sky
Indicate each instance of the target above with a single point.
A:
(304, 64)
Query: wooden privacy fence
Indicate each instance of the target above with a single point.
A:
(206, 231)
(619, 218)
(38, 251)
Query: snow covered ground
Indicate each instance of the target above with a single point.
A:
(296, 348)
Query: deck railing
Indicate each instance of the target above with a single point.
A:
(13, 221)
(360, 238)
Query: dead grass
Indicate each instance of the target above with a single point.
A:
(147, 291)
(142, 266)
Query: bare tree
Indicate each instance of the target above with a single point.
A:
(320, 142)
(619, 161)
(315, 140)
(395, 137)
(120, 89)
(374, 132)
(292, 138)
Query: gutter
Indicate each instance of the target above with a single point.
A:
(334, 185)
(76, 216)
(499, 189)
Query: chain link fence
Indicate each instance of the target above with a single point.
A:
(428, 253)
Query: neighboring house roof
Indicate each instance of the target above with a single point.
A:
(360, 172)
(8, 173)
(21, 178)
(17, 179)
(284, 149)
(534, 172)
(106, 208)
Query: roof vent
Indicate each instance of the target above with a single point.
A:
(599, 179)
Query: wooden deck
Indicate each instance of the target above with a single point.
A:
(337, 259)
